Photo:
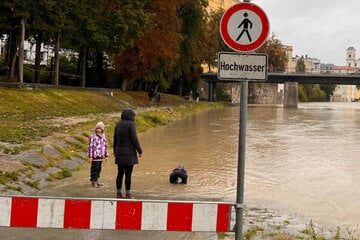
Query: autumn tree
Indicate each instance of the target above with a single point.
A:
(276, 53)
(152, 57)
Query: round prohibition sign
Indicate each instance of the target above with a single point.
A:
(244, 27)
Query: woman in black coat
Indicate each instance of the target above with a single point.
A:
(126, 150)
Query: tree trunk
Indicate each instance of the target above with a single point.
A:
(180, 86)
(38, 56)
(13, 64)
(21, 50)
(56, 64)
(82, 66)
(14, 45)
(99, 66)
(123, 85)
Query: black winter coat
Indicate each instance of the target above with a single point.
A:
(126, 142)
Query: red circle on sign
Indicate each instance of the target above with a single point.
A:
(225, 32)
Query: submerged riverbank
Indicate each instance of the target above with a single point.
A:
(59, 154)
(46, 140)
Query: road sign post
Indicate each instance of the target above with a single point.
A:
(244, 27)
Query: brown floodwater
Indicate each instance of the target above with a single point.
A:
(300, 161)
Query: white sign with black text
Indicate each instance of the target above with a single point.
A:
(237, 66)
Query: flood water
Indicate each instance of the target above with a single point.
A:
(303, 161)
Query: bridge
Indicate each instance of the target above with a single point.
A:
(291, 82)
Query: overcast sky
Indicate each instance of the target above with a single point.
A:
(322, 29)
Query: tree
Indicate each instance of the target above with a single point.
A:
(39, 29)
(193, 17)
(14, 15)
(310, 92)
(300, 66)
(151, 56)
(212, 39)
(276, 53)
(304, 90)
(109, 29)
(328, 89)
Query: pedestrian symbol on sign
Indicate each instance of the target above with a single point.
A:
(245, 23)
(244, 27)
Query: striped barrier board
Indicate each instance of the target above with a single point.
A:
(119, 214)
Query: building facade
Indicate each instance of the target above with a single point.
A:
(220, 4)
(312, 65)
(346, 93)
(351, 60)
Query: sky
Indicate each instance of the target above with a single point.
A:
(321, 29)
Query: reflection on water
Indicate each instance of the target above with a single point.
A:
(303, 160)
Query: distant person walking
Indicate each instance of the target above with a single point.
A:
(197, 96)
(158, 98)
(97, 151)
(190, 95)
(126, 150)
(151, 95)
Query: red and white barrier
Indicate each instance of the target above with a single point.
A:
(41, 212)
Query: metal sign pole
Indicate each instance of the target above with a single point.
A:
(241, 160)
(238, 67)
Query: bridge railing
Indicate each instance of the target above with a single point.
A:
(117, 214)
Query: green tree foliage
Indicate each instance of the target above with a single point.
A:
(300, 66)
(104, 28)
(310, 92)
(328, 89)
(193, 17)
(317, 95)
(83, 26)
(212, 39)
(302, 94)
(13, 16)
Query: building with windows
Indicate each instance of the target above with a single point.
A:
(218, 4)
(346, 93)
(351, 60)
(312, 65)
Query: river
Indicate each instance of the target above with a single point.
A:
(300, 161)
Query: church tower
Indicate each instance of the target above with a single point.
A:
(350, 57)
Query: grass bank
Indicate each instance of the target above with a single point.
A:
(44, 132)
(27, 115)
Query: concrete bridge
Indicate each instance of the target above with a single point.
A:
(290, 82)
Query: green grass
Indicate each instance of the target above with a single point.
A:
(25, 112)
(252, 232)
(64, 173)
